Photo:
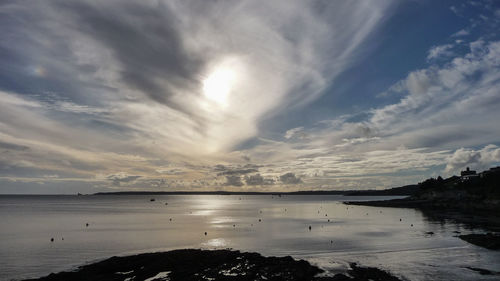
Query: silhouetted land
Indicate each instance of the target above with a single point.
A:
(474, 201)
(488, 240)
(397, 191)
(191, 264)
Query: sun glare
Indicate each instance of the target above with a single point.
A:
(217, 86)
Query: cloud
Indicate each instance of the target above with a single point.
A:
(12, 146)
(290, 178)
(456, 10)
(140, 66)
(234, 180)
(461, 32)
(441, 51)
(122, 178)
(257, 179)
(481, 159)
(235, 170)
(295, 132)
(238, 172)
(145, 41)
(93, 87)
(442, 107)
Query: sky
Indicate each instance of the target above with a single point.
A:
(248, 95)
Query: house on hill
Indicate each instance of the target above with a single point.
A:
(491, 171)
(468, 174)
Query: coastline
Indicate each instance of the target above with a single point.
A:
(474, 215)
(473, 199)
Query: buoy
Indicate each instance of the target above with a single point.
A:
(205, 233)
(309, 228)
(51, 239)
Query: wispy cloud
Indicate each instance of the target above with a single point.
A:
(441, 107)
(440, 51)
(111, 94)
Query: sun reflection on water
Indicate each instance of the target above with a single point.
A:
(217, 242)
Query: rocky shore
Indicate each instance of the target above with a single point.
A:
(489, 240)
(447, 211)
(474, 202)
(193, 264)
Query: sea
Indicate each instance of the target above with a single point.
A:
(317, 228)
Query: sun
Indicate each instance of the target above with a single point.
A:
(217, 86)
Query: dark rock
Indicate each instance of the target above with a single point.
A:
(370, 273)
(483, 271)
(488, 240)
(226, 265)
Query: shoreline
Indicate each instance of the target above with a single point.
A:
(197, 264)
(472, 215)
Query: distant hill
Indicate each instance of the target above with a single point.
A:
(469, 193)
(484, 186)
(319, 192)
(403, 190)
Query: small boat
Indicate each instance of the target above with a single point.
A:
(152, 199)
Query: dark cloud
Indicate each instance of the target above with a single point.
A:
(156, 183)
(258, 180)
(145, 40)
(219, 168)
(38, 58)
(238, 170)
(120, 178)
(234, 180)
(12, 146)
(365, 131)
(290, 178)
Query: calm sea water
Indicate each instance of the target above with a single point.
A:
(123, 225)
